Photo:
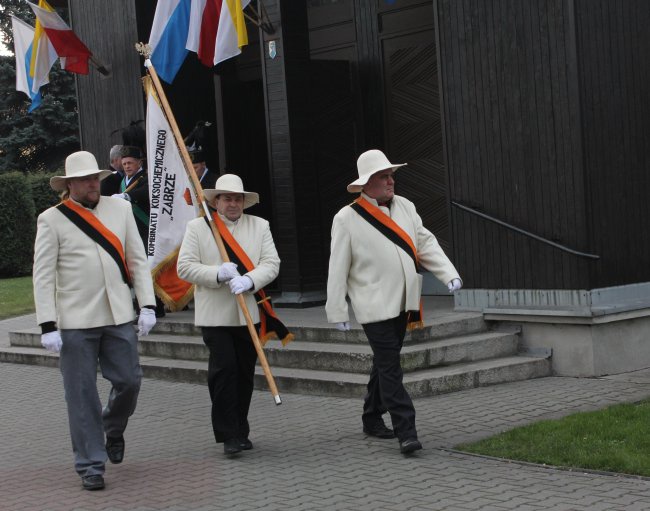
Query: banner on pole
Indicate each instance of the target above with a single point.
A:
(169, 211)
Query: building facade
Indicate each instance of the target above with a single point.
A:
(523, 123)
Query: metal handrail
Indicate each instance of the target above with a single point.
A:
(524, 232)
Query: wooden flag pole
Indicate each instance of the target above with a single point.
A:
(198, 193)
(132, 185)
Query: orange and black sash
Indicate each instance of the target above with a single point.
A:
(98, 232)
(389, 228)
(270, 324)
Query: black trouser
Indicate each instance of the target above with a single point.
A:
(231, 370)
(386, 391)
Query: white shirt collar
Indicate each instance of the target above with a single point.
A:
(229, 223)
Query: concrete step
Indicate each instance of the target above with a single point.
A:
(427, 382)
(28, 355)
(180, 325)
(454, 351)
(477, 374)
(30, 337)
(322, 356)
(353, 358)
(438, 327)
(343, 384)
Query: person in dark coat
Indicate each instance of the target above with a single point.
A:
(207, 177)
(134, 187)
(111, 184)
(200, 146)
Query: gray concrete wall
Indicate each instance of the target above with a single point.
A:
(587, 347)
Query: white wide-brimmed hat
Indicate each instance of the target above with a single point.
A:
(230, 183)
(370, 163)
(79, 164)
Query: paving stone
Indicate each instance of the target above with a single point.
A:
(310, 453)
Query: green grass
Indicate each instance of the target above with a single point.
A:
(16, 297)
(615, 439)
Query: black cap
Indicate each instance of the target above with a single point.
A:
(130, 151)
(196, 155)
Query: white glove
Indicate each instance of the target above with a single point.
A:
(454, 285)
(124, 196)
(51, 341)
(345, 325)
(146, 321)
(240, 284)
(227, 271)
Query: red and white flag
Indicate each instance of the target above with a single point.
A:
(67, 45)
(217, 30)
(214, 29)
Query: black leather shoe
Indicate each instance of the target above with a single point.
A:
(409, 445)
(92, 483)
(232, 446)
(379, 430)
(115, 449)
(245, 444)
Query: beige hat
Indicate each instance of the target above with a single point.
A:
(230, 183)
(79, 164)
(370, 163)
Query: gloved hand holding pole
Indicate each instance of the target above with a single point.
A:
(198, 193)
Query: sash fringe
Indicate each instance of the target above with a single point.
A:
(414, 325)
(172, 304)
(272, 335)
(414, 319)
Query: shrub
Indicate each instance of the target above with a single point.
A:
(18, 225)
(43, 195)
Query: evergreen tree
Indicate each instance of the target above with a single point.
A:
(38, 141)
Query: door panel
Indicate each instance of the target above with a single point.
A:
(413, 126)
(334, 126)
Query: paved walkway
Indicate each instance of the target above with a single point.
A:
(309, 452)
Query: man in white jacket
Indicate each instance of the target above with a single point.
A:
(254, 263)
(87, 256)
(378, 246)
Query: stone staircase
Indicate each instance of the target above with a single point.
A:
(455, 351)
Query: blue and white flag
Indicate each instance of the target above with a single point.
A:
(213, 29)
(168, 37)
(30, 79)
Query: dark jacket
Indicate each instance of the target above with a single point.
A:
(210, 179)
(111, 184)
(139, 196)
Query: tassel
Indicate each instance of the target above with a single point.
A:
(414, 325)
(273, 335)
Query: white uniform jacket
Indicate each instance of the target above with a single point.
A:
(76, 283)
(199, 261)
(377, 275)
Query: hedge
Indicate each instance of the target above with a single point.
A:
(42, 193)
(18, 225)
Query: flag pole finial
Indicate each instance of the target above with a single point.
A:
(143, 49)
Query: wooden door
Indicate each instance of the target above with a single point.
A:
(333, 135)
(413, 124)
